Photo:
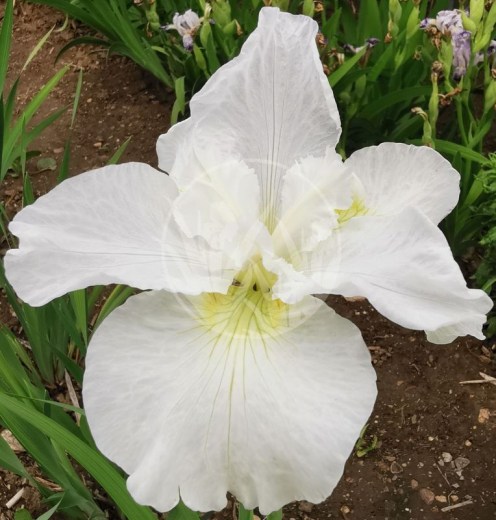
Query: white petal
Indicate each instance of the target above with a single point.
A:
(188, 403)
(173, 146)
(312, 190)
(404, 266)
(220, 205)
(269, 107)
(111, 225)
(396, 176)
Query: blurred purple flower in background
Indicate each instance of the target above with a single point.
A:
(369, 44)
(461, 53)
(186, 25)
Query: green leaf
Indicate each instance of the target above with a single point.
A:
(64, 165)
(276, 515)
(377, 106)
(87, 40)
(46, 163)
(244, 514)
(10, 461)
(339, 74)
(63, 406)
(50, 513)
(181, 512)
(17, 131)
(102, 470)
(207, 40)
(180, 102)
(27, 191)
(118, 153)
(5, 40)
(36, 49)
(77, 96)
(22, 514)
(118, 296)
(78, 302)
(447, 147)
(369, 21)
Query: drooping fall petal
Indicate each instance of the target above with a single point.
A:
(198, 396)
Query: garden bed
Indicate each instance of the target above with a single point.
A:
(436, 442)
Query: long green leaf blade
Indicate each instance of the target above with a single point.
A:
(92, 461)
(5, 39)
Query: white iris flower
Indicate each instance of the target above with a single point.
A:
(227, 375)
(186, 24)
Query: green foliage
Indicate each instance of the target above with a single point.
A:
(15, 136)
(486, 213)
(363, 445)
(49, 434)
(55, 337)
(399, 90)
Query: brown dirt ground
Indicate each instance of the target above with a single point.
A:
(422, 411)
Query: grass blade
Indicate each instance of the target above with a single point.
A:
(101, 469)
(339, 74)
(118, 153)
(5, 39)
(36, 49)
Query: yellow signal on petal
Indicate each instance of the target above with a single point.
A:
(248, 308)
(357, 209)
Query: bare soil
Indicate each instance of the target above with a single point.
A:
(436, 438)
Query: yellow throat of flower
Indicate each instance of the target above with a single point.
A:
(357, 209)
(248, 308)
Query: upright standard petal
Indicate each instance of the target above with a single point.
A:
(397, 176)
(222, 206)
(111, 225)
(403, 265)
(195, 397)
(269, 107)
(313, 189)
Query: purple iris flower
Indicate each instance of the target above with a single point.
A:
(369, 44)
(461, 53)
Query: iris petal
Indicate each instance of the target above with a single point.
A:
(403, 265)
(396, 176)
(111, 225)
(313, 190)
(269, 107)
(198, 396)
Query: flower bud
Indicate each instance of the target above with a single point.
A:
(434, 100)
(484, 38)
(151, 15)
(200, 58)
(446, 57)
(412, 24)
(468, 23)
(221, 12)
(282, 4)
(230, 28)
(476, 10)
(427, 133)
(490, 96)
(308, 8)
(394, 17)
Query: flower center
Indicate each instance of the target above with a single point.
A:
(248, 308)
(357, 209)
